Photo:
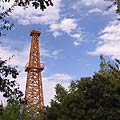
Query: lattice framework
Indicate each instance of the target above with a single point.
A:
(34, 90)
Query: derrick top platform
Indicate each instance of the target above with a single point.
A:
(34, 32)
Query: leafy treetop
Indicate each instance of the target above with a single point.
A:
(90, 98)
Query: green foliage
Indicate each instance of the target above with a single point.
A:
(42, 4)
(90, 98)
(11, 111)
(8, 87)
(15, 111)
(60, 93)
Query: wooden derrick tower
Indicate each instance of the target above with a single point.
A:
(34, 90)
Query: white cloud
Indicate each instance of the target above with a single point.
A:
(48, 90)
(56, 33)
(57, 54)
(51, 54)
(68, 26)
(19, 58)
(79, 38)
(60, 77)
(77, 6)
(77, 43)
(44, 52)
(51, 17)
(95, 10)
(109, 43)
(95, 6)
(36, 16)
(50, 82)
(102, 11)
(88, 3)
(76, 35)
(93, 2)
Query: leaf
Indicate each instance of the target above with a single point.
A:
(35, 4)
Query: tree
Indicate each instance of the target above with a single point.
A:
(8, 87)
(6, 24)
(14, 111)
(90, 98)
(11, 111)
(10, 90)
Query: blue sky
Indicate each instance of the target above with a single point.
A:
(73, 35)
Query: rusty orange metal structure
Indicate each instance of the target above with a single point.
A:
(34, 90)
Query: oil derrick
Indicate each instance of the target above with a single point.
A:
(34, 91)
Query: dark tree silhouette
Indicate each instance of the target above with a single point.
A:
(9, 87)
